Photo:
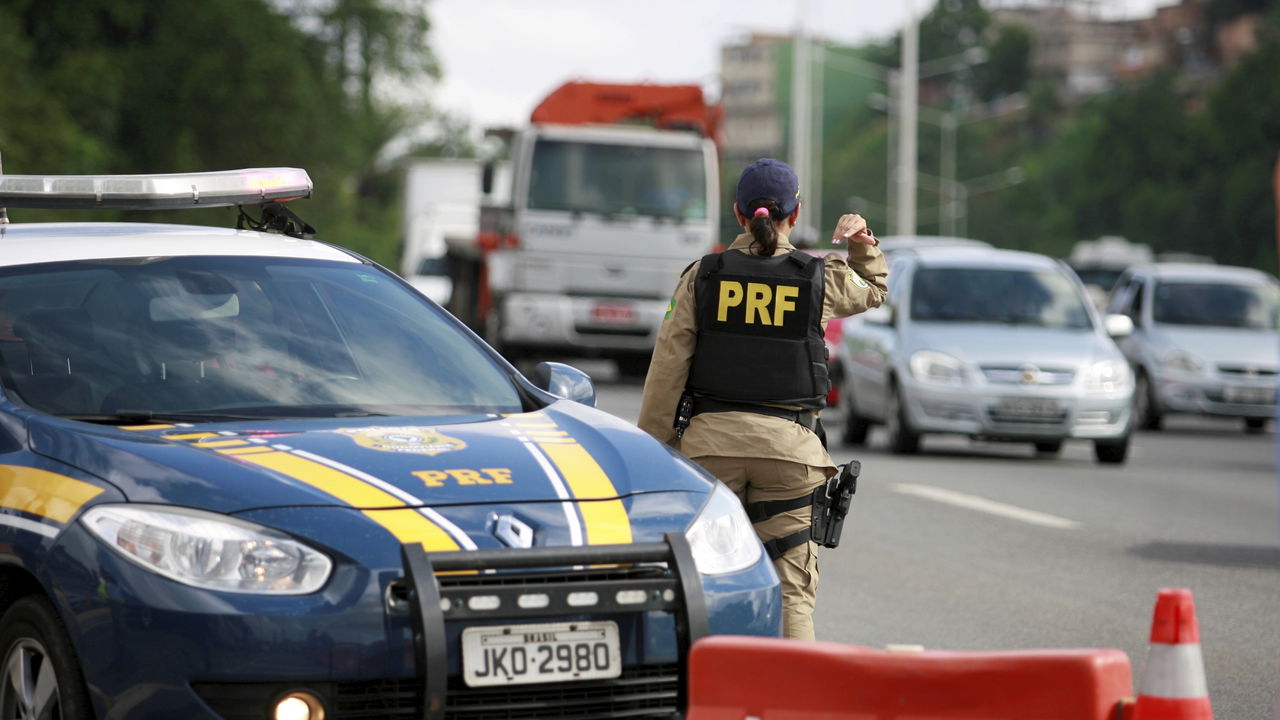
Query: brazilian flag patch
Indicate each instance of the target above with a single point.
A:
(671, 305)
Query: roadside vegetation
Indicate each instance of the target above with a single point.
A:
(99, 86)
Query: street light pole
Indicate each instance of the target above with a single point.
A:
(947, 171)
(801, 123)
(908, 101)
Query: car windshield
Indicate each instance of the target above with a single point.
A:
(613, 179)
(1216, 304)
(1021, 297)
(235, 336)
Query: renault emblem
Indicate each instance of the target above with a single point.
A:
(511, 530)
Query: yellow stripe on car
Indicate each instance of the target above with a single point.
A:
(602, 512)
(40, 492)
(406, 524)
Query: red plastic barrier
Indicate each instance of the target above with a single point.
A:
(736, 677)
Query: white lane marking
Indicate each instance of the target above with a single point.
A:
(973, 502)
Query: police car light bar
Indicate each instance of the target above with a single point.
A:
(251, 186)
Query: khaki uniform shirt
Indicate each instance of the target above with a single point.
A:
(850, 286)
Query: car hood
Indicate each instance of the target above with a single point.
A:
(1000, 344)
(565, 452)
(1223, 346)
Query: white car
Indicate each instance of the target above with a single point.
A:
(993, 344)
(1204, 341)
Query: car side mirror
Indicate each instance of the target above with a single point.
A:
(1118, 326)
(565, 381)
(882, 315)
(486, 178)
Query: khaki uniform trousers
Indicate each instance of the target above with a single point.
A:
(763, 479)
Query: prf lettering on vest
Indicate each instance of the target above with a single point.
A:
(762, 303)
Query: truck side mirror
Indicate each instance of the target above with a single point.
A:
(486, 178)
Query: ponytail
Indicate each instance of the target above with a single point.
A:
(763, 226)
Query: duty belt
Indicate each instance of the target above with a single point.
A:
(805, 418)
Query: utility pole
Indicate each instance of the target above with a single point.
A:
(801, 103)
(908, 103)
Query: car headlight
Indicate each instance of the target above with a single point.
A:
(938, 368)
(208, 550)
(721, 537)
(1182, 361)
(1107, 376)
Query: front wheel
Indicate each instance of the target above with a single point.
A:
(903, 439)
(856, 427)
(41, 674)
(1254, 426)
(1111, 452)
(1146, 412)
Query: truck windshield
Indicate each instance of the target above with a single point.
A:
(1217, 304)
(1018, 297)
(256, 337)
(615, 179)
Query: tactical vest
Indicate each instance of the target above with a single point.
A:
(760, 330)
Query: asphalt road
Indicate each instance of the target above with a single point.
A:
(971, 546)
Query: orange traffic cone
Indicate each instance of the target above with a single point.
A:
(1173, 685)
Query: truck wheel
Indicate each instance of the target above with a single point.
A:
(633, 365)
(1048, 447)
(903, 439)
(42, 677)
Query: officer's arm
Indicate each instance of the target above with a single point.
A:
(855, 284)
(669, 368)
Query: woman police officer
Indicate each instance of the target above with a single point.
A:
(739, 370)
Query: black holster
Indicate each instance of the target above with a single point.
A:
(831, 504)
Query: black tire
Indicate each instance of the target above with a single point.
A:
(1255, 426)
(1146, 412)
(37, 651)
(855, 428)
(1111, 452)
(635, 366)
(903, 439)
(1048, 447)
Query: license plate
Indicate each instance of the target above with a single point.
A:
(1249, 395)
(1029, 407)
(540, 653)
(613, 313)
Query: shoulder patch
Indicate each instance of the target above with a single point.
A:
(856, 279)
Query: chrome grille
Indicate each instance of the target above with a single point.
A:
(1018, 375)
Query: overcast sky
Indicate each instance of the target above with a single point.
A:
(500, 57)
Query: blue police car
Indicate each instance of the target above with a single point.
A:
(247, 474)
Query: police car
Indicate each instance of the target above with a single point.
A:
(247, 474)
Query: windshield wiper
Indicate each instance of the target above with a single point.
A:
(136, 417)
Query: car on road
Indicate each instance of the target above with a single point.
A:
(1204, 341)
(248, 474)
(833, 336)
(994, 344)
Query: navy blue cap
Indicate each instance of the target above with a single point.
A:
(768, 179)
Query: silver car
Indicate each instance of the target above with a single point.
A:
(993, 344)
(1204, 341)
